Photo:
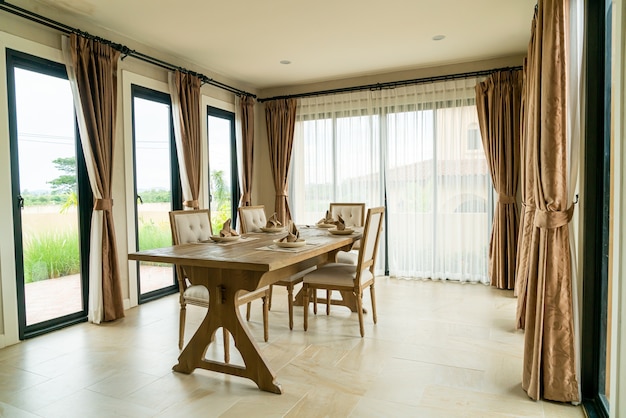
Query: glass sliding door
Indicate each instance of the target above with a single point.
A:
(224, 186)
(51, 223)
(157, 186)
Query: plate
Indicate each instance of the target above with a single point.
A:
(346, 231)
(273, 229)
(294, 244)
(217, 238)
(325, 225)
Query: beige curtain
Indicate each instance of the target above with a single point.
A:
(280, 117)
(185, 89)
(527, 179)
(94, 67)
(549, 348)
(246, 109)
(498, 101)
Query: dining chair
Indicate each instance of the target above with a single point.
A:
(353, 215)
(252, 219)
(189, 226)
(349, 277)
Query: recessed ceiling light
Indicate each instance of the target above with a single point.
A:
(285, 62)
(438, 37)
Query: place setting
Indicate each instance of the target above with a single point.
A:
(273, 225)
(334, 227)
(326, 222)
(292, 242)
(228, 235)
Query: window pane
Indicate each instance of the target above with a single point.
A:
(48, 184)
(153, 181)
(220, 171)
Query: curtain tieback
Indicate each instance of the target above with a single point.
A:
(281, 195)
(103, 204)
(528, 208)
(191, 204)
(552, 220)
(506, 200)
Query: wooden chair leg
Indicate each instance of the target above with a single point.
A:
(265, 318)
(359, 309)
(248, 311)
(328, 302)
(315, 301)
(373, 296)
(269, 304)
(181, 326)
(226, 346)
(305, 303)
(290, 304)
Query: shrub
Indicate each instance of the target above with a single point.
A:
(51, 254)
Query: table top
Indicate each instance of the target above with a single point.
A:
(254, 251)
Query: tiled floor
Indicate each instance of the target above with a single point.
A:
(438, 350)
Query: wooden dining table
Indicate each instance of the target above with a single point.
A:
(227, 268)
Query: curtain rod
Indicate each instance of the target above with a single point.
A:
(124, 50)
(392, 84)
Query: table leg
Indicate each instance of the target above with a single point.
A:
(224, 312)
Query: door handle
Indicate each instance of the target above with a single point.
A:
(20, 202)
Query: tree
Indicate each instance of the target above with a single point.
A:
(65, 183)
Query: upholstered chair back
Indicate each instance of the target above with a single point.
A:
(190, 226)
(353, 214)
(252, 218)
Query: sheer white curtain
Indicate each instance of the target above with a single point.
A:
(575, 122)
(336, 155)
(438, 187)
(420, 147)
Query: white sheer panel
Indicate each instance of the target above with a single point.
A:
(438, 188)
(336, 156)
(424, 141)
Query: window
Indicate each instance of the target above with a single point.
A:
(52, 210)
(157, 186)
(223, 183)
(474, 139)
(405, 149)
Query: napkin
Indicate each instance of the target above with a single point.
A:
(328, 219)
(341, 224)
(293, 234)
(227, 231)
(273, 222)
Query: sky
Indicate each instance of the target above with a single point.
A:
(46, 131)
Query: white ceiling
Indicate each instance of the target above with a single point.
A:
(245, 40)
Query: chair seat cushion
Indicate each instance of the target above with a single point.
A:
(297, 278)
(347, 257)
(196, 293)
(338, 274)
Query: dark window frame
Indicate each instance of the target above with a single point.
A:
(146, 93)
(17, 59)
(596, 193)
(234, 178)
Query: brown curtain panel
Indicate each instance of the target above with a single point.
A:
(549, 356)
(188, 87)
(498, 102)
(247, 149)
(280, 118)
(96, 77)
(529, 125)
